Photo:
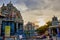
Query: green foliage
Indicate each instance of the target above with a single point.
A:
(42, 29)
(49, 23)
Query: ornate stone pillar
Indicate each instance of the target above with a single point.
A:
(17, 26)
(0, 30)
(58, 34)
(49, 31)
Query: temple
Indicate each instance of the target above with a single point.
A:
(12, 21)
(54, 29)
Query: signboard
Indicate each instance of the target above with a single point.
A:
(7, 31)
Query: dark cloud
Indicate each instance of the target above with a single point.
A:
(37, 4)
(40, 4)
(34, 4)
(35, 8)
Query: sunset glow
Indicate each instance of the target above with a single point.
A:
(41, 22)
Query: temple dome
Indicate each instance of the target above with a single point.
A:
(54, 18)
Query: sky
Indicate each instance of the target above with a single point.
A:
(34, 10)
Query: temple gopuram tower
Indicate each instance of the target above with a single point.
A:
(12, 20)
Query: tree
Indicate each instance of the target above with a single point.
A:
(49, 23)
(42, 29)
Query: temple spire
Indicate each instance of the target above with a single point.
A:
(3, 4)
(10, 4)
(10, 1)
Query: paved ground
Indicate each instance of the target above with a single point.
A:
(54, 38)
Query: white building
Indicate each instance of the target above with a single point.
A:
(54, 28)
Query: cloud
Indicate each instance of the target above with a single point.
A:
(33, 4)
(37, 8)
(36, 4)
(44, 4)
(22, 7)
(45, 8)
(40, 4)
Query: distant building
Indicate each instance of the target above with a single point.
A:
(29, 30)
(55, 21)
(54, 29)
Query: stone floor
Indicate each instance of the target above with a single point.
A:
(54, 38)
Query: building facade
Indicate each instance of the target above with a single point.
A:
(54, 29)
(29, 30)
(12, 20)
(1, 18)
